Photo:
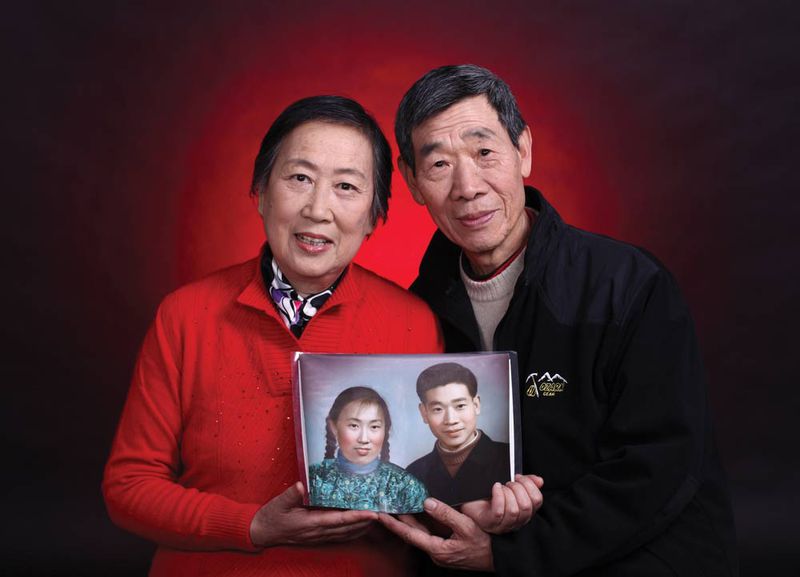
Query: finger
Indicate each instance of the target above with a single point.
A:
(532, 484)
(524, 503)
(498, 502)
(537, 480)
(342, 518)
(412, 535)
(344, 533)
(458, 522)
(511, 514)
(413, 522)
(292, 497)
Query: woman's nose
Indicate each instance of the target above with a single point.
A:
(318, 206)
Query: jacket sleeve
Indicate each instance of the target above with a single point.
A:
(140, 484)
(649, 452)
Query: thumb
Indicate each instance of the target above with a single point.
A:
(446, 515)
(292, 497)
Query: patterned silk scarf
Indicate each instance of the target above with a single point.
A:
(295, 310)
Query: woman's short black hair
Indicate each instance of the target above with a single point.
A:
(336, 110)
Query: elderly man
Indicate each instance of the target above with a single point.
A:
(614, 410)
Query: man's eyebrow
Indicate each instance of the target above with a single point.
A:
(429, 148)
(481, 132)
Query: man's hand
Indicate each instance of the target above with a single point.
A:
(284, 521)
(467, 548)
(512, 505)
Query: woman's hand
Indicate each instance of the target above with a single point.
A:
(512, 505)
(284, 521)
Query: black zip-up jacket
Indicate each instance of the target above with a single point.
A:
(614, 408)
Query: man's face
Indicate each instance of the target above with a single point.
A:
(470, 176)
(452, 414)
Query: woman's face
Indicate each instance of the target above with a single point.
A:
(317, 203)
(360, 431)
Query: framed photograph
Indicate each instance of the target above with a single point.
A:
(383, 432)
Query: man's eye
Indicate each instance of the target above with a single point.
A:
(346, 186)
(300, 177)
(438, 164)
(485, 152)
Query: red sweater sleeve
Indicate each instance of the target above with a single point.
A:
(140, 484)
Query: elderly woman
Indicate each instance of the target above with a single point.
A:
(204, 461)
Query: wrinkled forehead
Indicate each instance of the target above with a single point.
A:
(471, 118)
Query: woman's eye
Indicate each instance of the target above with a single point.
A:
(438, 164)
(485, 152)
(300, 177)
(347, 186)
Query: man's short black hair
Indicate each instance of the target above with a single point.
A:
(445, 374)
(442, 87)
(335, 110)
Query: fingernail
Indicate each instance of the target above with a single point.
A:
(430, 504)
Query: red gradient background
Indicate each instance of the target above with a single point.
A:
(129, 131)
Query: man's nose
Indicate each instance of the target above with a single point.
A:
(449, 415)
(467, 181)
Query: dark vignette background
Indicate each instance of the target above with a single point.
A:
(128, 134)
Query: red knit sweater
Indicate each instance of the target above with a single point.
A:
(206, 436)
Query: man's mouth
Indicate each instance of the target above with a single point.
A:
(476, 219)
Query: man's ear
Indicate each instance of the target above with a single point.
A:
(411, 180)
(423, 413)
(525, 152)
(261, 203)
(477, 402)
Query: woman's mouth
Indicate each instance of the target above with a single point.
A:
(312, 242)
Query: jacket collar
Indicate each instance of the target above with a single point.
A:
(439, 282)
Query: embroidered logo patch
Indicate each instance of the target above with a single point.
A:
(546, 385)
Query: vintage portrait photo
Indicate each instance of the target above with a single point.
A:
(383, 432)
